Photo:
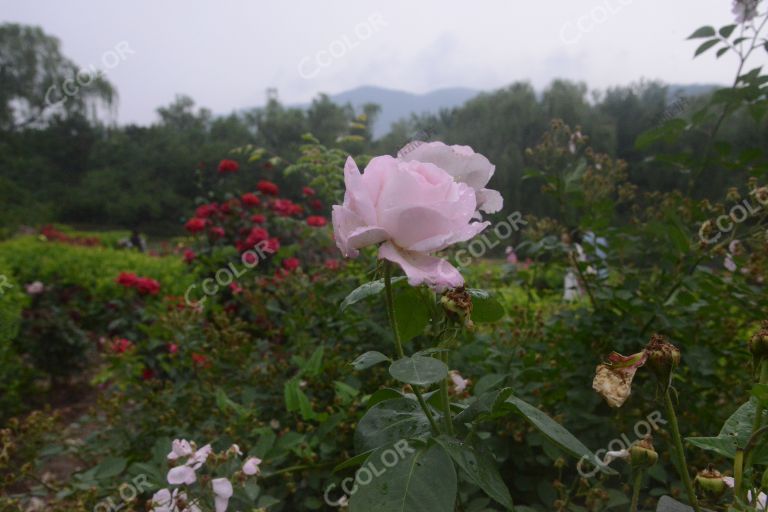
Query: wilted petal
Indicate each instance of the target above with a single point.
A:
(613, 379)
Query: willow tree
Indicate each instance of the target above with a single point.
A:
(38, 82)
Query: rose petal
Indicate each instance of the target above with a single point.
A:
(423, 268)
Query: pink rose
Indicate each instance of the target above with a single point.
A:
(413, 209)
(463, 164)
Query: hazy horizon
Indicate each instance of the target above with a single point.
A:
(226, 55)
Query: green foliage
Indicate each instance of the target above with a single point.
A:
(92, 269)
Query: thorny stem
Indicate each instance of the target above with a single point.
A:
(679, 452)
(445, 401)
(636, 483)
(398, 343)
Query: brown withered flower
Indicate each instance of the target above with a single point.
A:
(613, 379)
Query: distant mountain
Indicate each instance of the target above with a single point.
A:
(397, 105)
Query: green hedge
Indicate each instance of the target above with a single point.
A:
(93, 268)
(14, 375)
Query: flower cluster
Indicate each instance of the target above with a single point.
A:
(48, 232)
(422, 202)
(144, 285)
(259, 221)
(190, 460)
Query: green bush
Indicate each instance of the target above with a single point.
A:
(13, 373)
(93, 269)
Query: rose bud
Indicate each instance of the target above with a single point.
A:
(642, 455)
(758, 344)
(458, 302)
(663, 358)
(711, 482)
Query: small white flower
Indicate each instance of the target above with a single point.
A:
(459, 383)
(182, 475)
(762, 499)
(222, 490)
(180, 448)
(251, 466)
(234, 449)
(35, 288)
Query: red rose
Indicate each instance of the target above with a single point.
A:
(147, 286)
(316, 204)
(332, 264)
(121, 345)
(272, 246)
(206, 210)
(286, 207)
(291, 264)
(258, 219)
(173, 348)
(307, 191)
(200, 359)
(235, 288)
(316, 221)
(189, 255)
(127, 279)
(195, 225)
(256, 235)
(226, 166)
(267, 187)
(148, 374)
(250, 199)
(217, 232)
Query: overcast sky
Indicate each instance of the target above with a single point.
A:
(226, 53)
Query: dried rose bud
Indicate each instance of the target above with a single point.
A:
(711, 482)
(642, 455)
(758, 344)
(613, 379)
(663, 358)
(458, 301)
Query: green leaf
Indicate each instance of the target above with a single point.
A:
(314, 365)
(418, 370)
(727, 30)
(734, 434)
(110, 467)
(479, 466)
(367, 290)
(721, 52)
(296, 400)
(485, 308)
(424, 480)
(345, 392)
(390, 421)
(554, 431)
(706, 31)
(412, 313)
(224, 403)
(368, 359)
(355, 461)
(705, 46)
